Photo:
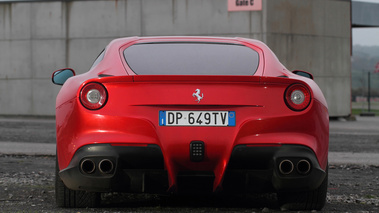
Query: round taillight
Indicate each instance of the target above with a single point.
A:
(93, 96)
(297, 97)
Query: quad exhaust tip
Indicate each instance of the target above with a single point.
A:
(303, 167)
(106, 166)
(286, 167)
(88, 166)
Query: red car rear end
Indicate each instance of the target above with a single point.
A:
(192, 115)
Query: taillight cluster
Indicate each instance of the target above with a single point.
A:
(297, 97)
(93, 96)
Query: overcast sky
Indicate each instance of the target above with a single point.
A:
(366, 36)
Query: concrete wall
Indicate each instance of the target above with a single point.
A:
(314, 36)
(37, 38)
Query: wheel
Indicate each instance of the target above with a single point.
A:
(68, 198)
(309, 200)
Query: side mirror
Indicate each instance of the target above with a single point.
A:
(61, 76)
(303, 73)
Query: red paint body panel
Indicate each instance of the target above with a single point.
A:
(131, 114)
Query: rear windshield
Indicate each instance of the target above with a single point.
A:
(191, 59)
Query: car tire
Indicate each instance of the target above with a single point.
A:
(309, 200)
(68, 198)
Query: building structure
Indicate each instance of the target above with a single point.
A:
(38, 37)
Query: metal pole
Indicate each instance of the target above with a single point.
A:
(369, 95)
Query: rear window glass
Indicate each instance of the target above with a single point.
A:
(191, 59)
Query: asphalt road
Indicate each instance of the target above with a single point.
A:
(27, 160)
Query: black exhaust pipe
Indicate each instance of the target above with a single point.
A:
(303, 167)
(106, 166)
(286, 167)
(87, 166)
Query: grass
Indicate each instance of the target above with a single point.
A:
(358, 108)
(359, 111)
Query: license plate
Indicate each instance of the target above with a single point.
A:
(197, 118)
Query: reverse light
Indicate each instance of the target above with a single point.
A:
(297, 97)
(93, 96)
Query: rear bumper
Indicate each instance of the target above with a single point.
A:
(141, 169)
(135, 169)
(256, 169)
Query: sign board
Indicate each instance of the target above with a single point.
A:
(377, 68)
(244, 5)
